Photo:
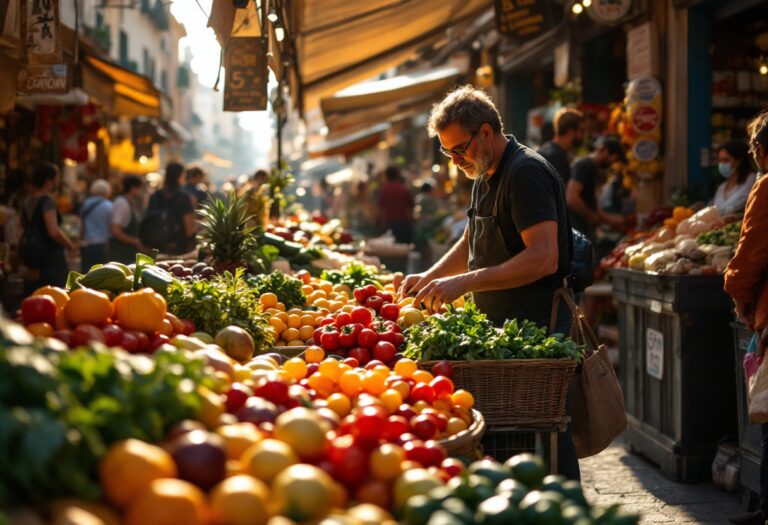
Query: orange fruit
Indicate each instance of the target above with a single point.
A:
(240, 500)
(339, 403)
(280, 306)
(303, 493)
(40, 329)
(386, 462)
(294, 321)
(374, 383)
(422, 376)
(463, 398)
(307, 289)
(308, 320)
(277, 324)
(326, 286)
(282, 316)
(59, 295)
(88, 307)
(296, 368)
(129, 466)
(314, 354)
(267, 458)
(350, 383)
(455, 425)
(330, 368)
(391, 399)
(406, 367)
(306, 332)
(291, 334)
(238, 437)
(169, 502)
(268, 300)
(321, 384)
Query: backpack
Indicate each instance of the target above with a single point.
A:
(159, 228)
(33, 247)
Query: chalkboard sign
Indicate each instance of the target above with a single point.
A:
(524, 19)
(245, 81)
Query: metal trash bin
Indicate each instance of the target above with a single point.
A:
(676, 369)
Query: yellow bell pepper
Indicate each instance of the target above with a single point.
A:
(143, 310)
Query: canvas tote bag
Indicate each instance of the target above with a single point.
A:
(597, 402)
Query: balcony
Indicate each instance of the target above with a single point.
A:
(101, 36)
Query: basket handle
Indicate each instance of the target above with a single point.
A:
(580, 325)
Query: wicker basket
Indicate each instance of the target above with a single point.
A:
(467, 442)
(515, 392)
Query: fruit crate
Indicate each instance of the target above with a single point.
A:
(503, 443)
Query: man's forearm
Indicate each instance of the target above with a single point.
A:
(524, 268)
(454, 262)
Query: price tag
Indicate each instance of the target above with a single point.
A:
(654, 353)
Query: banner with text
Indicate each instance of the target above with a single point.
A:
(523, 19)
(43, 69)
(245, 81)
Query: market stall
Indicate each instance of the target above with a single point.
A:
(676, 359)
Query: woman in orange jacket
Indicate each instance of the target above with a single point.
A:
(746, 280)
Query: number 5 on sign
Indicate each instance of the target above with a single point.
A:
(654, 353)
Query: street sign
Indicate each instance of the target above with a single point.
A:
(245, 81)
(654, 353)
(523, 19)
(44, 78)
(43, 69)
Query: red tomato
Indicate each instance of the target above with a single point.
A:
(343, 319)
(130, 342)
(405, 438)
(373, 363)
(423, 392)
(330, 339)
(237, 395)
(367, 338)
(274, 391)
(189, 327)
(347, 336)
(452, 466)
(442, 386)
(384, 351)
(86, 333)
(362, 315)
(395, 427)
(442, 368)
(375, 303)
(327, 320)
(390, 311)
(360, 355)
(435, 454)
(350, 462)
(369, 290)
(351, 361)
(369, 424)
(113, 335)
(157, 341)
(424, 427)
(143, 340)
(65, 336)
(359, 294)
(39, 309)
(406, 411)
(386, 296)
(415, 451)
(316, 335)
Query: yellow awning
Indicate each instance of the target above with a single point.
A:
(350, 143)
(120, 91)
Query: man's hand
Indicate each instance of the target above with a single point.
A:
(441, 291)
(412, 284)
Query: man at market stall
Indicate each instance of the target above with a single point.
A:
(515, 249)
(568, 126)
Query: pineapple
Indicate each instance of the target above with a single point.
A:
(225, 232)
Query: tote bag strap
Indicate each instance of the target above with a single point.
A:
(580, 328)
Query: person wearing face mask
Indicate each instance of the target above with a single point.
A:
(515, 250)
(581, 192)
(746, 281)
(734, 165)
(568, 126)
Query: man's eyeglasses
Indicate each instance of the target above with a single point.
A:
(459, 151)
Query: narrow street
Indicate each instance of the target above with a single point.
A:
(616, 476)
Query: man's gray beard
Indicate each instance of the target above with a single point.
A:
(481, 170)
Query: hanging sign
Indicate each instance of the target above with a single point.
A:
(43, 69)
(654, 353)
(245, 81)
(523, 19)
(609, 12)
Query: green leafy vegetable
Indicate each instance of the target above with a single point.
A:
(287, 289)
(467, 334)
(224, 300)
(354, 275)
(61, 410)
(728, 235)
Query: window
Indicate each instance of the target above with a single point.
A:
(145, 62)
(123, 48)
(164, 80)
(99, 19)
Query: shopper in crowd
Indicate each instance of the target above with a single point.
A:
(746, 280)
(43, 241)
(396, 206)
(95, 219)
(515, 250)
(169, 224)
(734, 164)
(569, 135)
(125, 221)
(581, 191)
(195, 186)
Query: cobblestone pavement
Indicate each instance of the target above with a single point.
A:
(616, 476)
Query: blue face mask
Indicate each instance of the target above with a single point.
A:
(725, 169)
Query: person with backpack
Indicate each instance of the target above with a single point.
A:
(95, 216)
(169, 225)
(43, 242)
(517, 248)
(125, 221)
